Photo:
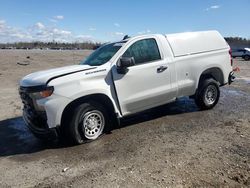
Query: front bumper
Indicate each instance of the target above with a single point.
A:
(38, 127)
(36, 121)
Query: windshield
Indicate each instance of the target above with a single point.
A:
(103, 54)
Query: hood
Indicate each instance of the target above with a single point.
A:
(43, 77)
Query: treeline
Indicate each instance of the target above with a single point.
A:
(50, 45)
(234, 42)
(238, 42)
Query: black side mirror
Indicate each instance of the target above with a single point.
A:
(124, 63)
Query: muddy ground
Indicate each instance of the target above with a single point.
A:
(175, 145)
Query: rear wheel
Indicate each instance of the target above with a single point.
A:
(246, 57)
(88, 122)
(208, 94)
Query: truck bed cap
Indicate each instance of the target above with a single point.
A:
(195, 42)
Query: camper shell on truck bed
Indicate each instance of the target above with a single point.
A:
(196, 42)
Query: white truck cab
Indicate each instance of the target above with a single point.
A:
(80, 102)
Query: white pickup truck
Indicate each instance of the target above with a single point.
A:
(80, 102)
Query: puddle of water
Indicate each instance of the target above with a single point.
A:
(234, 92)
(17, 139)
(245, 79)
(22, 131)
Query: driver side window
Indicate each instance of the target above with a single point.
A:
(143, 51)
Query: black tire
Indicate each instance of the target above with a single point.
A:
(204, 98)
(246, 57)
(75, 132)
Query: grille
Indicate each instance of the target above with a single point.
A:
(27, 100)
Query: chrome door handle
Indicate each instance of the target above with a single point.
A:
(161, 69)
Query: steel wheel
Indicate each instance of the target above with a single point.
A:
(208, 94)
(211, 94)
(93, 124)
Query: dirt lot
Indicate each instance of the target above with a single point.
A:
(175, 145)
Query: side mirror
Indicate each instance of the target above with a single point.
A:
(124, 63)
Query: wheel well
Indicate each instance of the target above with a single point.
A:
(214, 73)
(98, 98)
(246, 56)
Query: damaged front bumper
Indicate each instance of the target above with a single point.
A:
(35, 120)
(38, 126)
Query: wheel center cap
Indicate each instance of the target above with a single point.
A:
(92, 124)
(209, 94)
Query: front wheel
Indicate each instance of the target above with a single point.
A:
(89, 121)
(208, 94)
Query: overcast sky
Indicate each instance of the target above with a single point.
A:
(99, 20)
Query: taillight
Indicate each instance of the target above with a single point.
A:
(231, 57)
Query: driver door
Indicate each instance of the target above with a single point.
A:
(146, 84)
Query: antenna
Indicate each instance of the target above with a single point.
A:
(126, 37)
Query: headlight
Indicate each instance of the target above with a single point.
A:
(45, 92)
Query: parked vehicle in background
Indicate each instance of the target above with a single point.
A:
(80, 102)
(241, 52)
